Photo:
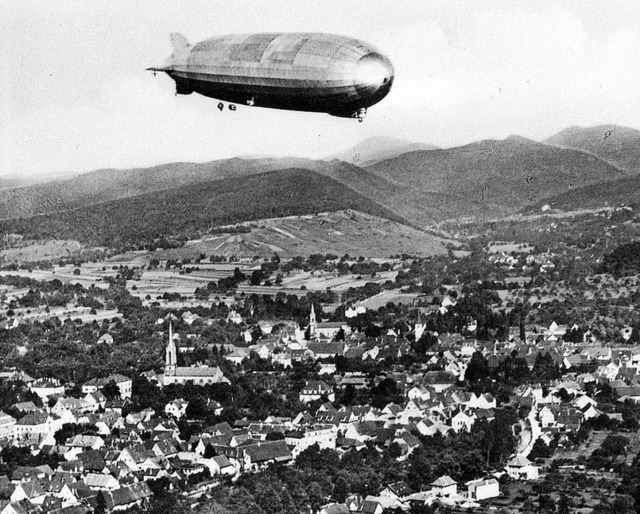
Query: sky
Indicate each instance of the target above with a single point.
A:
(75, 96)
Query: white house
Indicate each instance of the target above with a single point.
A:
(444, 486)
(316, 389)
(176, 408)
(462, 422)
(7, 426)
(521, 468)
(324, 436)
(482, 489)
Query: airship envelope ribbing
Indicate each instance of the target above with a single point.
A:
(312, 72)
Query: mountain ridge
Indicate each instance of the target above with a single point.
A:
(616, 144)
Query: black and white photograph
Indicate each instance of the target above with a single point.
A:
(337, 257)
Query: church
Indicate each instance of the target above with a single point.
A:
(325, 330)
(199, 375)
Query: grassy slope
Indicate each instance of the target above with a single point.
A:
(186, 209)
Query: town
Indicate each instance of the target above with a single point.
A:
(450, 383)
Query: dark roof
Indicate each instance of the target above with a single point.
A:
(400, 489)
(369, 507)
(327, 348)
(264, 452)
(127, 495)
(93, 460)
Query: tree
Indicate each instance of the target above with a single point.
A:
(546, 503)
(111, 390)
(478, 368)
(340, 490)
(315, 496)
(564, 504)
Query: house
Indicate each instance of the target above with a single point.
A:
(444, 486)
(521, 468)
(461, 421)
(546, 416)
(315, 390)
(105, 339)
(234, 317)
(420, 499)
(47, 388)
(86, 442)
(220, 465)
(7, 426)
(396, 490)
(407, 442)
(335, 508)
(483, 488)
(326, 350)
(323, 435)
(482, 401)
(428, 427)
(96, 401)
(370, 507)
(259, 456)
(137, 457)
(31, 491)
(101, 482)
(37, 424)
(127, 497)
(123, 383)
(176, 408)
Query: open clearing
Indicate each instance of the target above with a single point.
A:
(338, 233)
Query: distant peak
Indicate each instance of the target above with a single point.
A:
(518, 139)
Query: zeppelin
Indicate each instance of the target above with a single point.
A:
(312, 72)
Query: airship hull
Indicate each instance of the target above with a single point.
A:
(303, 72)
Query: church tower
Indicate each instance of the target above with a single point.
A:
(419, 328)
(171, 358)
(312, 320)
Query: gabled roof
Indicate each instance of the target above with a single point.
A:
(400, 488)
(127, 495)
(93, 460)
(222, 461)
(444, 481)
(335, 508)
(369, 507)
(99, 480)
(264, 452)
(519, 461)
(31, 489)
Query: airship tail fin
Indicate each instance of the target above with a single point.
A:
(178, 41)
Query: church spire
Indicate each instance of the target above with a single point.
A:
(312, 318)
(170, 358)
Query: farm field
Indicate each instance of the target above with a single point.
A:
(339, 233)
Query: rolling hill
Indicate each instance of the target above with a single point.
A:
(615, 144)
(112, 184)
(375, 149)
(186, 210)
(612, 193)
(501, 175)
(485, 179)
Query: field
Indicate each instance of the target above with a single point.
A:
(343, 232)
(154, 283)
(338, 233)
(40, 250)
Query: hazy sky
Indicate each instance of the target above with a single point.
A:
(74, 94)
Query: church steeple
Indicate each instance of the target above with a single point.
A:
(312, 319)
(170, 358)
(419, 327)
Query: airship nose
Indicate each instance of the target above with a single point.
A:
(373, 74)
